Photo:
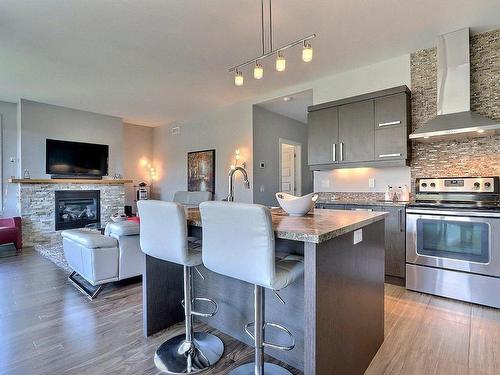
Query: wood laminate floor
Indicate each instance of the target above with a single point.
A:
(48, 327)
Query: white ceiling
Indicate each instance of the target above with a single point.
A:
(155, 61)
(295, 107)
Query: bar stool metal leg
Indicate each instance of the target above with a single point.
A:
(192, 352)
(259, 367)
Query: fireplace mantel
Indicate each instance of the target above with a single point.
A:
(68, 181)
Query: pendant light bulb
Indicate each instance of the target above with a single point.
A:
(238, 78)
(258, 71)
(280, 62)
(307, 52)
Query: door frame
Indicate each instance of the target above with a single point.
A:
(297, 164)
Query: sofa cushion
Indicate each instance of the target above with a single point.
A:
(89, 239)
(124, 228)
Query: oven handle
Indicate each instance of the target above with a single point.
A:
(485, 214)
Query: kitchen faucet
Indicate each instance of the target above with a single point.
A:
(232, 171)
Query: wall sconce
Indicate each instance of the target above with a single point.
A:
(153, 174)
(237, 157)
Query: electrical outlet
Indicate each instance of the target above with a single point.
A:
(261, 188)
(358, 236)
(371, 182)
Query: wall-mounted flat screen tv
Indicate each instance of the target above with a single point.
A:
(72, 159)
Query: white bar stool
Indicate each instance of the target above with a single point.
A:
(164, 236)
(238, 241)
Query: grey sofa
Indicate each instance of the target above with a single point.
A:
(101, 259)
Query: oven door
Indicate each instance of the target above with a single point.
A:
(463, 241)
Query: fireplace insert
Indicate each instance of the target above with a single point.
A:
(76, 208)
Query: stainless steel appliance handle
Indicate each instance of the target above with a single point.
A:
(341, 151)
(382, 124)
(388, 155)
(334, 150)
(463, 214)
(401, 229)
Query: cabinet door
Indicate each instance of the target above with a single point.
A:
(356, 132)
(391, 111)
(395, 241)
(391, 143)
(323, 129)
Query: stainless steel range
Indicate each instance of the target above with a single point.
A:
(453, 239)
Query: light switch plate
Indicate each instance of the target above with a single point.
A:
(358, 236)
(371, 182)
(262, 165)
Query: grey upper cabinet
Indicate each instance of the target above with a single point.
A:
(323, 129)
(362, 131)
(356, 132)
(391, 111)
(391, 127)
(391, 143)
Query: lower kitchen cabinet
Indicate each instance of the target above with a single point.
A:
(395, 234)
(395, 241)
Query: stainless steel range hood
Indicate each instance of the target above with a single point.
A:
(454, 118)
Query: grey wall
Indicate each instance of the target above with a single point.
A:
(224, 129)
(268, 128)
(137, 148)
(39, 121)
(8, 113)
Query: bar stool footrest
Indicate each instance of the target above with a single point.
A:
(270, 344)
(204, 314)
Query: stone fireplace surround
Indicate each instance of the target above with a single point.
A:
(36, 205)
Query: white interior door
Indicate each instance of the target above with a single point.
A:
(288, 169)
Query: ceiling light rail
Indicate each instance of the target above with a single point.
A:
(271, 53)
(258, 71)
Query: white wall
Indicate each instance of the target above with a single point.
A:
(225, 130)
(137, 149)
(230, 127)
(39, 121)
(8, 113)
(356, 179)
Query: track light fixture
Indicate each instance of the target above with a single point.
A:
(238, 78)
(307, 52)
(258, 70)
(280, 62)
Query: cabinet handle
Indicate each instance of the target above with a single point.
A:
(361, 209)
(388, 155)
(341, 151)
(382, 124)
(401, 229)
(334, 151)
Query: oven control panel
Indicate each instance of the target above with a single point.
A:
(458, 185)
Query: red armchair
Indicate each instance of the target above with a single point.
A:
(11, 232)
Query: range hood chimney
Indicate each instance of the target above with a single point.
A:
(454, 118)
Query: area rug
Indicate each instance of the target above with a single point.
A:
(55, 253)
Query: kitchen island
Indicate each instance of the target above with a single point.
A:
(336, 312)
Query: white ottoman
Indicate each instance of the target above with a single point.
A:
(93, 256)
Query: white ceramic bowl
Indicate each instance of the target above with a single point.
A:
(296, 206)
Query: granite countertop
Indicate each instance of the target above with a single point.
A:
(316, 227)
(362, 202)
